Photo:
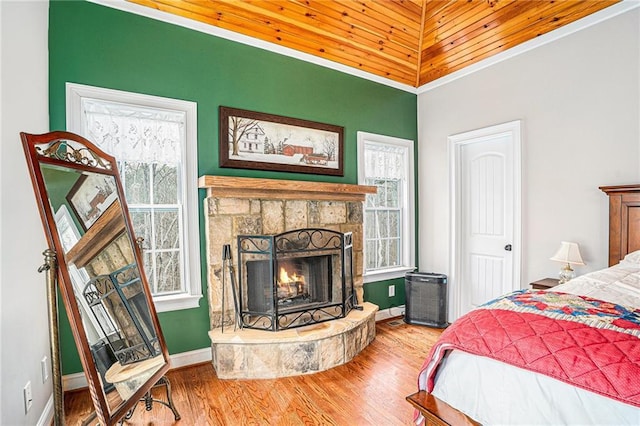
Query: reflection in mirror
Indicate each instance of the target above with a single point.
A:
(104, 288)
(105, 277)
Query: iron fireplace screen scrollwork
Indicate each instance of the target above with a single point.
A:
(295, 278)
(118, 303)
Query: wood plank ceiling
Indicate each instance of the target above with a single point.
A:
(412, 42)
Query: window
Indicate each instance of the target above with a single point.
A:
(389, 230)
(155, 145)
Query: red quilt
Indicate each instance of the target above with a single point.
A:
(585, 342)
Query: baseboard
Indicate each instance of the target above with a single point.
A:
(74, 381)
(395, 311)
(46, 418)
(183, 359)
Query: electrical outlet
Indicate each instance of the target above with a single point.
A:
(392, 290)
(45, 369)
(28, 398)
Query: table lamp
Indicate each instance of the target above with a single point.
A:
(569, 254)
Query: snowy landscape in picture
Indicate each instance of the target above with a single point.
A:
(268, 142)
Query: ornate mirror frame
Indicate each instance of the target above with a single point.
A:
(68, 152)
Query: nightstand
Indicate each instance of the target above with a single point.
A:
(545, 283)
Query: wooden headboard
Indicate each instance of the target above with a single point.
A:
(624, 220)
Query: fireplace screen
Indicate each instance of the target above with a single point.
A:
(296, 278)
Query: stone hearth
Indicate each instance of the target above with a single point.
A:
(257, 354)
(247, 206)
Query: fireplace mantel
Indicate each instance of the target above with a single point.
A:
(242, 187)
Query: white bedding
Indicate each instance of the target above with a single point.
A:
(495, 393)
(619, 284)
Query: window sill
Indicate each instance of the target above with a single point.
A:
(387, 274)
(176, 302)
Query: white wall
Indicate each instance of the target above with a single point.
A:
(23, 313)
(578, 99)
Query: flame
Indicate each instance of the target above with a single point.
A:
(286, 279)
(290, 285)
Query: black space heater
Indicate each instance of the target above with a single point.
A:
(426, 299)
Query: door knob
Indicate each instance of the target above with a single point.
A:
(507, 247)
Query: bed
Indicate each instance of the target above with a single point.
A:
(568, 355)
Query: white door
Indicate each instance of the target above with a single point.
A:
(487, 223)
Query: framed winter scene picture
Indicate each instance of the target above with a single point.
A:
(259, 141)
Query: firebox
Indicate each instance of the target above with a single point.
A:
(296, 278)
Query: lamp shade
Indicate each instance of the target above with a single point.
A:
(568, 253)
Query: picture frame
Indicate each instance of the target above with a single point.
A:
(260, 141)
(90, 196)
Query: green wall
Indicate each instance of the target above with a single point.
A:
(378, 293)
(99, 46)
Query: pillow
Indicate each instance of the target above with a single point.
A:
(633, 257)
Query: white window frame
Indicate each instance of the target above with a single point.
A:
(79, 277)
(408, 205)
(193, 283)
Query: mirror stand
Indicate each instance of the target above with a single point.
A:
(94, 263)
(50, 266)
(148, 403)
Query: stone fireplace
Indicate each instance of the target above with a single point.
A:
(278, 214)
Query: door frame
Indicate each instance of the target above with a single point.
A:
(455, 144)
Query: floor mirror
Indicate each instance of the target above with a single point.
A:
(98, 268)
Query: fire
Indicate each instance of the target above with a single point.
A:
(290, 285)
(285, 279)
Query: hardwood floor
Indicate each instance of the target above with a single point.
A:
(369, 390)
